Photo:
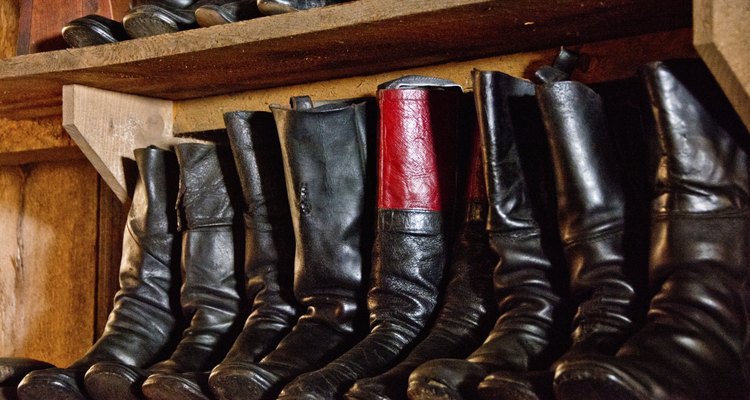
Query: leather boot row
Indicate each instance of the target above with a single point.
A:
(544, 281)
(155, 17)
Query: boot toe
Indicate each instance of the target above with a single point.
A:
(446, 379)
(371, 389)
(596, 380)
(243, 381)
(51, 384)
(109, 380)
(162, 386)
(509, 385)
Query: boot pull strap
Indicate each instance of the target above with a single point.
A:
(561, 68)
(301, 103)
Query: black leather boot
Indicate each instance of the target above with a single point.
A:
(212, 254)
(527, 254)
(692, 344)
(155, 18)
(12, 370)
(272, 7)
(141, 327)
(269, 243)
(468, 308)
(217, 14)
(591, 219)
(92, 30)
(325, 156)
(417, 177)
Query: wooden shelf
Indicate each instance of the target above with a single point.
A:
(363, 37)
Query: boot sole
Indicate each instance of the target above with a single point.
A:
(210, 16)
(433, 389)
(508, 389)
(171, 387)
(595, 381)
(250, 383)
(113, 381)
(49, 389)
(148, 23)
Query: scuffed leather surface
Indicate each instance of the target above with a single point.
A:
(692, 344)
(273, 7)
(522, 276)
(591, 208)
(141, 326)
(417, 131)
(325, 157)
(464, 318)
(269, 240)
(211, 252)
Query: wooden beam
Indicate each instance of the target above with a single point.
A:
(25, 141)
(722, 38)
(107, 126)
(362, 37)
(606, 61)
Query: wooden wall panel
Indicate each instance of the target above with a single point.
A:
(9, 24)
(48, 260)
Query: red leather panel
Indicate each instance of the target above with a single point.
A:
(416, 163)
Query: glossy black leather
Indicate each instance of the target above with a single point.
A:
(155, 18)
(269, 245)
(212, 253)
(521, 337)
(216, 14)
(468, 307)
(92, 30)
(409, 252)
(691, 346)
(141, 327)
(325, 157)
(272, 7)
(591, 214)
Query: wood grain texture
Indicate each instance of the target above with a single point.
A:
(362, 37)
(722, 38)
(9, 14)
(606, 60)
(48, 260)
(108, 126)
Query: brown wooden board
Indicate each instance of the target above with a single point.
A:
(357, 38)
(48, 259)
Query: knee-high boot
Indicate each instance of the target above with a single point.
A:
(417, 177)
(141, 327)
(211, 260)
(527, 253)
(691, 346)
(468, 309)
(325, 157)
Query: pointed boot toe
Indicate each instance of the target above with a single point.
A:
(446, 379)
(51, 384)
(165, 386)
(110, 380)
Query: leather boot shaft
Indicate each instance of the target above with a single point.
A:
(269, 240)
(208, 219)
(148, 273)
(693, 343)
(591, 211)
(324, 151)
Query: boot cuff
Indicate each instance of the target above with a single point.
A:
(419, 222)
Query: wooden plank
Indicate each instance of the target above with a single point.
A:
(107, 126)
(362, 37)
(47, 256)
(9, 14)
(722, 38)
(28, 141)
(112, 216)
(607, 60)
